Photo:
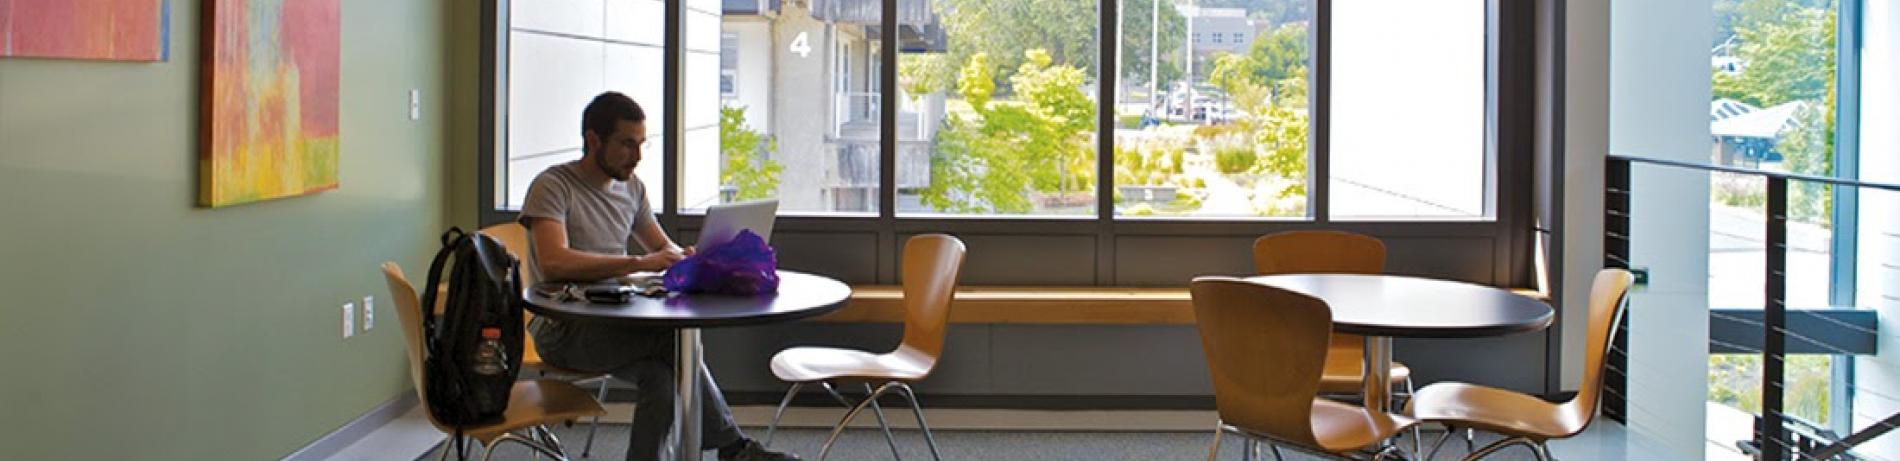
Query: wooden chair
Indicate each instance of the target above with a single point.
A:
(1331, 252)
(1266, 351)
(931, 263)
(532, 404)
(1523, 419)
(514, 236)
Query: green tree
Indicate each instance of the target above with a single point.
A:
(1808, 148)
(975, 81)
(923, 73)
(1005, 29)
(1788, 54)
(1788, 57)
(744, 153)
(1039, 142)
(1280, 55)
(1138, 40)
(1277, 118)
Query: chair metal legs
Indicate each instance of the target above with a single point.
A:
(1440, 443)
(882, 423)
(849, 415)
(594, 426)
(1417, 433)
(1250, 448)
(879, 411)
(1537, 448)
(451, 444)
(1214, 449)
(918, 410)
(769, 429)
(548, 438)
(552, 448)
(870, 400)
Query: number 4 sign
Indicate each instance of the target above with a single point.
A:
(801, 45)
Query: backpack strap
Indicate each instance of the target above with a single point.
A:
(450, 240)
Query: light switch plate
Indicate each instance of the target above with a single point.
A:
(415, 104)
(369, 313)
(349, 319)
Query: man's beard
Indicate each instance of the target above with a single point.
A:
(601, 162)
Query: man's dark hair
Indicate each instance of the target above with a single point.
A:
(605, 113)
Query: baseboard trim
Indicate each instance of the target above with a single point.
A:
(335, 441)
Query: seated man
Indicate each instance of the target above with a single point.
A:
(581, 215)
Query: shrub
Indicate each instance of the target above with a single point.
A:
(1234, 158)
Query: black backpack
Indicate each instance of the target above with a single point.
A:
(484, 290)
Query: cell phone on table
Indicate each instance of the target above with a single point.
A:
(610, 293)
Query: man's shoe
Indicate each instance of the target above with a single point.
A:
(751, 450)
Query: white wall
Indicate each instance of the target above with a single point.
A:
(1586, 140)
(1879, 271)
(755, 71)
(1659, 97)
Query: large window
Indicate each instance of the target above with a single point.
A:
(999, 107)
(998, 113)
(1773, 68)
(1213, 130)
(559, 54)
(784, 105)
(1408, 116)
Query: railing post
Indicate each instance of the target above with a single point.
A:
(1773, 436)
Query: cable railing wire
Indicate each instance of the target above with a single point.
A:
(1771, 435)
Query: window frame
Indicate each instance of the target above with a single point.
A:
(1509, 60)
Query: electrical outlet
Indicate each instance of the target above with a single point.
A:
(349, 319)
(369, 313)
(415, 104)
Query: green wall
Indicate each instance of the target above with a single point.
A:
(134, 325)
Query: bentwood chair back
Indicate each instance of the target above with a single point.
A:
(1266, 349)
(1318, 252)
(531, 404)
(515, 238)
(931, 265)
(1606, 309)
(1524, 419)
(1330, 252)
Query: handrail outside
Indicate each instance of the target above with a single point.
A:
(1774, 313)
(1748, 171)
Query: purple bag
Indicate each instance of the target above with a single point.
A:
(744, 265)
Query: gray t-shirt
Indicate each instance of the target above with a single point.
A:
(599, 221)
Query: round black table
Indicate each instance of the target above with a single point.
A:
(800, 295)
(1382, 307)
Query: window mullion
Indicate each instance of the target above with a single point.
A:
(1319, 179)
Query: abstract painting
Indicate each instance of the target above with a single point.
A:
(270, 100)
(111, 30)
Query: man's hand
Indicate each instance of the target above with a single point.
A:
(659, 260)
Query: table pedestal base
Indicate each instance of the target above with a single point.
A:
(1377, 373)
(686, 418)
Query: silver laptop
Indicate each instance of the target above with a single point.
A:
(724, 221)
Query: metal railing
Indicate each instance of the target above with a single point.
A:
(1778, 435)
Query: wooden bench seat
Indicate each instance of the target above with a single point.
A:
(1038, 305)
